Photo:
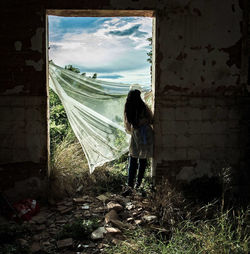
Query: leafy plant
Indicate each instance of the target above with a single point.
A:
(78, 229)
(224, 234)
(59, 124)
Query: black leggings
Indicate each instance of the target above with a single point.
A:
(132, 170)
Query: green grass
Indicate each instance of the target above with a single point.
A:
(139, 241)
(225, 234)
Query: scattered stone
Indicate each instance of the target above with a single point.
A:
(138, 197)
(53, 231)
(145, 202)
(99, 210)
(79, 189)
(66, 210)
(49, 222)
(149, 218)
(45, 235)
(85, 207)
(50, 215)
(47, 243)
(37, 237)
(61, 221)
(112, 230)
(98, 233)
(40, 219)
(40, 227)
(69, 203)
(35, 247)
(102, 198)
(78, 215)
(119, 224)
(130, 219)
(60, 203)
(64, 243)
(116, 206)
(138, 222)
(130, 206)
(111, 215)
(86, 197)
(87, 214)
(61, 208)
(31, 222)
(116, 241)
(135, 213)
(23, 242)
(92, 245)
(79, 200)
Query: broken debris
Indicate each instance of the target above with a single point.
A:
(98, 233)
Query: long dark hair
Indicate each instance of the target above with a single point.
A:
(134, 107)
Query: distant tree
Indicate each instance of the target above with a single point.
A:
(72, 68)
(94, 75)
(149, 54)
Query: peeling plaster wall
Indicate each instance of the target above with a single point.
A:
(201, 98)
(202, 104)
(23, 99)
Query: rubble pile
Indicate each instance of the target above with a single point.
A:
(115, 214)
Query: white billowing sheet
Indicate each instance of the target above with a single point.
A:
(95, 112)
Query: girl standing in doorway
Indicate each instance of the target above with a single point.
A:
(138, 119)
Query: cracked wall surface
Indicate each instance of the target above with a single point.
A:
(201, 90)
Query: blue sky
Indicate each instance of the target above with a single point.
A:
(115, 48)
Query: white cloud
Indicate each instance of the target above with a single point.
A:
(103, 52)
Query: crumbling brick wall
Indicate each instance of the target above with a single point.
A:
(201, 92)
(202, 95)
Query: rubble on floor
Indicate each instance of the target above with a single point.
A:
(114, 214)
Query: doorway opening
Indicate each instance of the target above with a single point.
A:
(109, 46)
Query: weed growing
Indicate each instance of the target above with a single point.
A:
(78, 229)
(226, 233)
(138, 241)
(59, 124)
(69, 171)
